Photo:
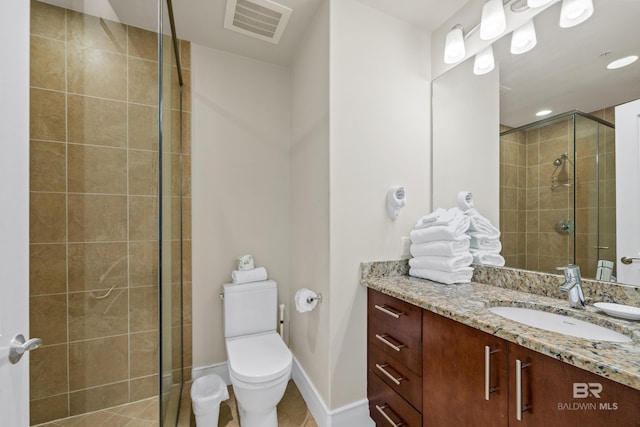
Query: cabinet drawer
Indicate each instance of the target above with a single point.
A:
(401, 317)
(387, 408)
(400, 338)
(406, 383)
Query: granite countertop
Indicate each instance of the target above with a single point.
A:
(467, 303)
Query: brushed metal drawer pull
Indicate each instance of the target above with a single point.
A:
(385, 310)
(520, 408)
(383, 338)
(487, 372)
(382, 369)
(387, 417)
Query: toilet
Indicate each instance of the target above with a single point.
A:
(259, 361)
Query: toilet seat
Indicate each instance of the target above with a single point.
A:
(258, 358)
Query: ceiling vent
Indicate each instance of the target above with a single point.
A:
(261, 19)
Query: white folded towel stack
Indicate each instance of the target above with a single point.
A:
(485, 243)
(440, 247)
(487, 258)
(246, 271)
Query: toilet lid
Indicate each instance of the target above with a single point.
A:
(258, 358)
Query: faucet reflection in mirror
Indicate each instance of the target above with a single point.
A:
(539, 190)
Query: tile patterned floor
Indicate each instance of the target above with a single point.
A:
(143, 413)
(292, 412)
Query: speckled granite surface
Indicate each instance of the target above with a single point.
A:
(468, 303)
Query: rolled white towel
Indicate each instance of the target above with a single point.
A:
(463, 275)
(455, 231)
(442, 263)
(485, 243)
(441, 247)
(487, 258)
(256, 275)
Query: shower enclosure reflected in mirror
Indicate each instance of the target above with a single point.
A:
(109, 244)
(557, 193)
(564, 72)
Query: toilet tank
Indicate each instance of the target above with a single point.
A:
(250, 308)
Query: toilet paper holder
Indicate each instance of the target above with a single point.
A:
(311, 299)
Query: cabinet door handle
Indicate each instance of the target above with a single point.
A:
(389, 311)
(383, 338)
(387, 417)
(520, 408)
(382, 369)
(487, 372)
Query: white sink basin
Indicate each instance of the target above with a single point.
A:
(558, 323)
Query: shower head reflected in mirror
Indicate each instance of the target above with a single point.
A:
(561, 159)
(562, 177)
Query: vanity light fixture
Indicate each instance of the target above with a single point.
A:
(523, 39)
(484, 62)
(493, 21)
(538, 3)
(622, 62)
(543, 113)
(454, 49)
(575, 12)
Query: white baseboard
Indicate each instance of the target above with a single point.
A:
(355, 414)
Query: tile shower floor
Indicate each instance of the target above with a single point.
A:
(292, 412)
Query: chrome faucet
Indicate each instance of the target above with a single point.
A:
(573, 285)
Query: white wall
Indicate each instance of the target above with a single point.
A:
(360, 122)
(466, 139)
(380, 136)
(309, 162)
(240, 146)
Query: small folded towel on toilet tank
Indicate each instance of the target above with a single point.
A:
(256, 275)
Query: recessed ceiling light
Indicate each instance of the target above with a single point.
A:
(543, 113)
(622, 62)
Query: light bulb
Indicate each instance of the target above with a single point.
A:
(575, 12)
(454, 49)
(523, 39)
(484, 62)
(493, 21)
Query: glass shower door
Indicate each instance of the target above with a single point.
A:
(106, 212)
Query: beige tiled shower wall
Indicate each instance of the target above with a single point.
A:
(94, 215)
(513, 198)
(532, 204)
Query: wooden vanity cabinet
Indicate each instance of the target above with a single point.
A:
(394, 361)
(435, 372)
(465, 375)
(554, 393)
